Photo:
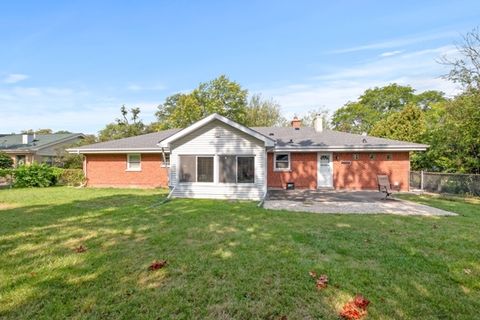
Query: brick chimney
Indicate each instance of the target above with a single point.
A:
(296, 123)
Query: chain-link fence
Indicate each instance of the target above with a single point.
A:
(454, 183)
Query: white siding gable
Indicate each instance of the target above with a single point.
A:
(217, 138)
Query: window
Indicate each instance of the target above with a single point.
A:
(47, 160)
(389, 156)
(245, 169)
(134, 162)
(356, 156)
(372, 156)
(20, 160)
(188, 169)
(166, 160)
(227, 169)
(236, 169)
(282, 161)
(204, 169)
(196, 169)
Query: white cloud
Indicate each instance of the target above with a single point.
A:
(137, 87)
(391, 53)
(74, 109)
(14, 78)
(332, 90)
(395, 43)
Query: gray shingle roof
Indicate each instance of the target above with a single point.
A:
(144, 141)
(304, 138)
(14, 141)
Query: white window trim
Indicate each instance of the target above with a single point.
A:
(275, 162)
(128, 162)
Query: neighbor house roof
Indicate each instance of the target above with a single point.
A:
(14, 142)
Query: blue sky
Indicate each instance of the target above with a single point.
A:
(72, 64)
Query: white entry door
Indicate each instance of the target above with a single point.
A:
(325, 170)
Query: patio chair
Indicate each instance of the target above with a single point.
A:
(384, 186)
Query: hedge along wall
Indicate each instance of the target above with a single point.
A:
(41, 175)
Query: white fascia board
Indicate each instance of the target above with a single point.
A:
(166, 142)
(116, 150)
(353, 148)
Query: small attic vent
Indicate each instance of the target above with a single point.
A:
(271, 134)
(297, 128)
(364, 140)
(291, 141)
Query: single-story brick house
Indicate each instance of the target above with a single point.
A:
(219, 158)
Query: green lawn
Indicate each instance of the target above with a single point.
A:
(228, 260)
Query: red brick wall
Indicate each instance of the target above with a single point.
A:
(303, 171)
(362, 173)
(109, 170)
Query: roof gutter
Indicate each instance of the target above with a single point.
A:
(353, 148)
(116, 150)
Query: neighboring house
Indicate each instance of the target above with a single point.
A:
(41, 148)
(219, 158)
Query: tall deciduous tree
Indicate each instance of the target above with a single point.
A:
(263, 113)
(125, 126)
(465, 69)
(219, 95)
(453, 134)
(406, 125)
(377, 104)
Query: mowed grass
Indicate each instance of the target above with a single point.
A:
(228, 260)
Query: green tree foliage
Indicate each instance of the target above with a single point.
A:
(453, 133)
(71, 160)
(310, 116)
(263, 113)
(124, 127)
(219, 95)
(377, 104)
(406, 125)
(6, 162)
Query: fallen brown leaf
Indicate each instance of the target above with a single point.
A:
(80, 249)
(157, 264)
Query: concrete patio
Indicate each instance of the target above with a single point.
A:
(346, 202)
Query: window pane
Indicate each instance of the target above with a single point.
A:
(227, 169)
(246, 169)
(134, 165)
(205, 169)
(134, 158)
(281, 165)
(187, 169)
(281, 157)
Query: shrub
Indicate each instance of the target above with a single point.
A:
(35, 175)
(6, 161)
(70, 177)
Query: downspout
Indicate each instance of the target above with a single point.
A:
(262, 200)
